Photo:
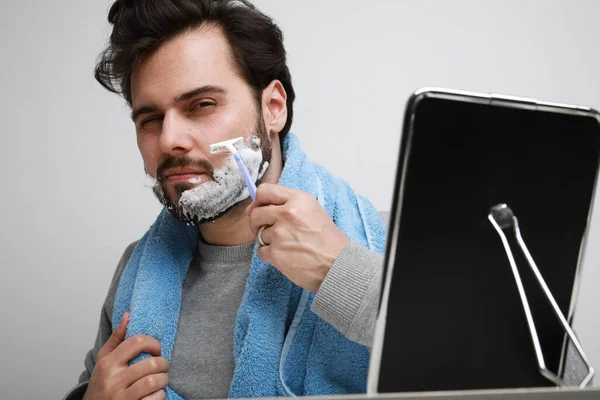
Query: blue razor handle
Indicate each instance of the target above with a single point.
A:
(246, 175)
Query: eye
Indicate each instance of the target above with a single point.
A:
(149, 122)
(202, 104)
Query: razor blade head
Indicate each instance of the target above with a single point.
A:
(226, 146)
(503, 215)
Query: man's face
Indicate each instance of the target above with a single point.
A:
(186, 96)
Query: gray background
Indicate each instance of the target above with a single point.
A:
(72, 194)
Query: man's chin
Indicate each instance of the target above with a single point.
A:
(170, 200)
(216, 217)
(194, 220)
(179, 188)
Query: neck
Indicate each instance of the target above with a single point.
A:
(233, 228)
(229, 229)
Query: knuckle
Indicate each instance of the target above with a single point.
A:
(139, 342)
(261, 189)
(303, 196)
(290, 211)
(156, 381)
(150, 382)
(153, 364)
(278, 232)
(103, 366)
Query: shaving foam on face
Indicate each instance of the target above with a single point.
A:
(149, 181)
(253, 157)
(227, 188)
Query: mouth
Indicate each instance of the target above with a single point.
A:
(177, 175)
(191, 178)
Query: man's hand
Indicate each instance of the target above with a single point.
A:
(114, 379)
(301, 239)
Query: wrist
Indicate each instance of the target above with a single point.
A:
(337, 244)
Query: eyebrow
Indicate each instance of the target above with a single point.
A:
(183, 97)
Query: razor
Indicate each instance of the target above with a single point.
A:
(228, 146)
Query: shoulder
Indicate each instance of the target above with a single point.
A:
(114, 284)
(123, 263)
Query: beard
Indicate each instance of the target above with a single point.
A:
(225, 188)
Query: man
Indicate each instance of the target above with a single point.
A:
(196, 305)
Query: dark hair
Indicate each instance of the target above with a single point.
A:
(139, 26)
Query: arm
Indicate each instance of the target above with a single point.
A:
(301, 240)
(348, 298)
(104, 332)
(104, 329)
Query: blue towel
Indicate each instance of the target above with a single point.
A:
(281, 348)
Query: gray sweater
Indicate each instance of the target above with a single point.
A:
(202, 362)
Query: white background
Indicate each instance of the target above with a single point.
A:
(71, 175)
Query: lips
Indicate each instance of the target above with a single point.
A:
(182, 174)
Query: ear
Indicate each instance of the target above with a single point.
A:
(274, 107)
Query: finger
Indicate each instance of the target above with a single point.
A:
(249, 209)
(264, 253)
(261, 216)
(117, 337)
(266, 236)
(145, 386)
(135, 345)
(160, 395)
(271, 194)
(148, 366)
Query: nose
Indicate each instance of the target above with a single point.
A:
(175, 136)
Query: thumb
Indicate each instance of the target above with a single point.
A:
(117, 337)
